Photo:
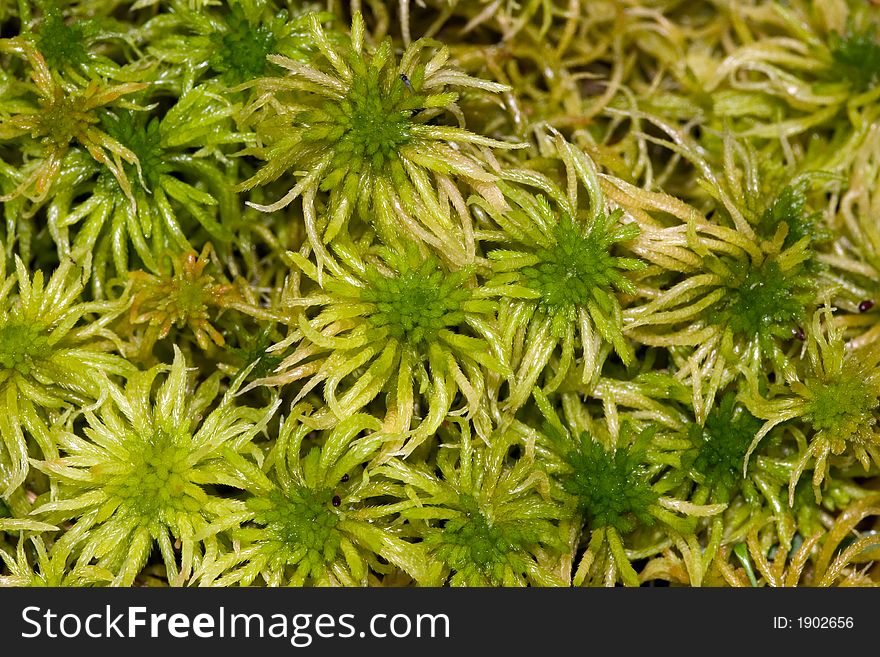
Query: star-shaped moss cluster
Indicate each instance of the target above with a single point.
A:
(418, 302)
(611, 487)
(578, 270)
(439, 293)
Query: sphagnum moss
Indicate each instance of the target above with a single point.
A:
(608, 477)
(361, 130)
(178, 187)
(55, 354)
(232, 44)
(386, 325)
(836, 394)
(489, 522)
(136, 478)
(185, 295)
(559, 280)
(310, 521)
(441, 293)
(50, 118)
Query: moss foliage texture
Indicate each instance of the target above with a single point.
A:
(439, 292)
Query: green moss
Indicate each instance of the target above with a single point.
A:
(841, 407)
(856, 54)
(577, 271)
(157, 482)
(418, 302)
(63, 43)
(721, 444)
(253, 350)
(611, 487)
(790, 208)
(61, 121)
(480, 551)
(241, 49)
(301, 524)
(367, 128)
(21, 344)
(321, 276)
(141, 136)
(764, 302)
(145, 479)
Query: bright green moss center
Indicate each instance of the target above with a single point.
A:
(418, 303)
(367, 128)
(241, 50)
(144, 141)
(612, 487)
(62, 44)
(576, 271)
(302, 523)
(188, 296)
(842, 407)
(21, 345)
(158, 479)
(477, 550)
(570, 269)
(764, 303)
(61, 122)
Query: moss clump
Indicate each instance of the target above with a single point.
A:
(856, 54)
(611, 487)
(578, 271)
(21, 344)
(721, 444)
(438, 292)
(302, 525)
(479, 551)
(417, 303)
(144, 140)
(62, 44)
(839, 407)
(241, 49)
(764, 303)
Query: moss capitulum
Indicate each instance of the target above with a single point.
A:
(569, 270)
(241, 50)
(857, 55)
(367, 128)
(722, 443)
(417, 304)
(473, 543)
(611, 486)
(157, 480)
(842, 407)
(188, 297)
(61, 121)
(144, 141)
(790, 208)
(61, 43)
(21, 345)
(764, 302)
(302, 523)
